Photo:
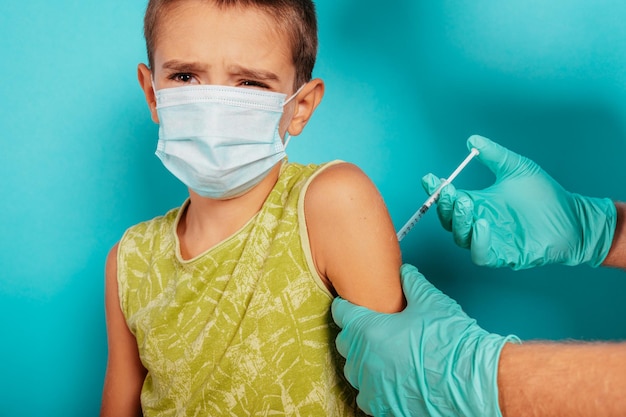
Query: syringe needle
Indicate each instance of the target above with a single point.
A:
(434, 196)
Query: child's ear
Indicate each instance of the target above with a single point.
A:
(306, 102)
(145, 81)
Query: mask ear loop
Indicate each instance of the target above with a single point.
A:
(294, 94)
(153, 86)
(287, 137)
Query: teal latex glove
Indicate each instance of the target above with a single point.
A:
(525, 218)
(430, 359)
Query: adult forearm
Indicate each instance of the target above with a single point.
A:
(563, 379)
(617, 255)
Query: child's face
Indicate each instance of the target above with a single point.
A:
(199, 43)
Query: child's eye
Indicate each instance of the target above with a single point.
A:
(182, 77)
(251, 83)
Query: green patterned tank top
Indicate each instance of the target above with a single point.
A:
(243, 329)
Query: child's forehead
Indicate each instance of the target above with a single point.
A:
(183, 10)
(204, 21)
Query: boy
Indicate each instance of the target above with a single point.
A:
(221, 307)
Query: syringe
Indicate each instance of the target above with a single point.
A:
(434, 196)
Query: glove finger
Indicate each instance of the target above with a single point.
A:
(424, 300)
(445, 203)
(497, 158)
(462, 221)
(430, 183)
(416, 287)
(363, 401)
(348, 341)
(345, 314)
(410, 278)
(445, 206)
(351, 369)
(481, 249)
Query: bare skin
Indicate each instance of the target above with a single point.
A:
(616, 257)
(125, 373)
(352, 240)
(538, 379)
(562, 379)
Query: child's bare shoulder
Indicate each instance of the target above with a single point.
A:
(341, 180)
(352, 237)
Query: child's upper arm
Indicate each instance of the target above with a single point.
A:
(125, 373)
(352, 238)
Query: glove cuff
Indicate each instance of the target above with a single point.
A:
(476, 391)
(491, 349)
(598, 217)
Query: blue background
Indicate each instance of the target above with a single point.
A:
(406, 86)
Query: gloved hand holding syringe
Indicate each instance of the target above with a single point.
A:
(434, 196)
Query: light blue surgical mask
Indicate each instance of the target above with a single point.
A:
(220, 141)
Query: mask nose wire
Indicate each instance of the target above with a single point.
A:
(153, 84)
(287, 135)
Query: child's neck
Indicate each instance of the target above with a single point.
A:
(208, 222)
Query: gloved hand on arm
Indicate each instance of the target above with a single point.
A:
(430, 359)
(525, 218)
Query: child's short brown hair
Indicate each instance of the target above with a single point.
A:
(295, 17)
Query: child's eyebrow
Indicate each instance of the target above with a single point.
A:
(183, 66)
(236, 70)
(255, 74)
